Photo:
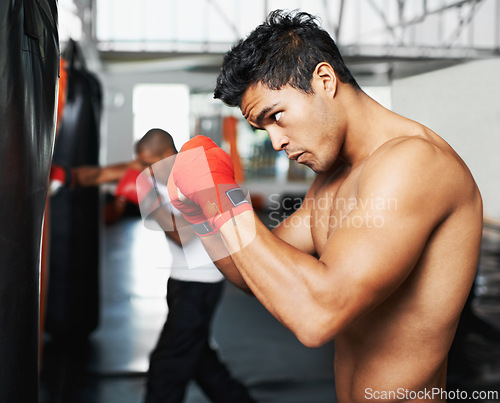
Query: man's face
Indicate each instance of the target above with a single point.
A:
(147, 158)
(304, 125)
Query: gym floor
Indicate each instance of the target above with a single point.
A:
(110, 365)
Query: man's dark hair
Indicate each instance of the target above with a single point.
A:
(285, 49)
(157, 141)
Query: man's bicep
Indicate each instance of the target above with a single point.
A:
(367, 264)
(376, 246)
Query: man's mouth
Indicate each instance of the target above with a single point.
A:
(295, 156)
(301, 158)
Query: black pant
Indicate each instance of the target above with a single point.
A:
(183, 352)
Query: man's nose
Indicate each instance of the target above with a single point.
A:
(278, 139)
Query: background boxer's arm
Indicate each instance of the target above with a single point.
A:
(93, 175)
(171, 224)
(362, 263)
(175, 237)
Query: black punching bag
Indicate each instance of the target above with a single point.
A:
(29, 63)
(72, 292)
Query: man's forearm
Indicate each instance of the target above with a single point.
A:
(94, 175)
(272, 269)
(86, 175)
(218, 253)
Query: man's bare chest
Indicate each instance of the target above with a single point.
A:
(332, 204)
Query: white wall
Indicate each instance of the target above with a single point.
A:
(118, 121)
(462, 105)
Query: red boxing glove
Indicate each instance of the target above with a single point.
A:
(126, 187)
(59, 176)
(189, 209)
(209, 195)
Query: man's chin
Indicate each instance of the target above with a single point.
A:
(315, 168)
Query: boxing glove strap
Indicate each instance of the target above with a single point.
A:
(203, 228)
(236, 196)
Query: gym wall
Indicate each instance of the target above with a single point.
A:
(460, 104)
(118, 141)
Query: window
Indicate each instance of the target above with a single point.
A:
(164, 106)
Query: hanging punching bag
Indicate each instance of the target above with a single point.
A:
(72, 294)
(29, 62)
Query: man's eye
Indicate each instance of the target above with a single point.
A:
(277, 116)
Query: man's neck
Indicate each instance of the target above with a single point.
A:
(369, 125)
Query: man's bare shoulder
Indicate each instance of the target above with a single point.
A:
(426, 152)
(416, 165)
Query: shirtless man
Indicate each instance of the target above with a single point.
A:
(383, 252)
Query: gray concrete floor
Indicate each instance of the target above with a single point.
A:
(110, 366)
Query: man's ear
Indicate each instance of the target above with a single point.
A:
(324, 76)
